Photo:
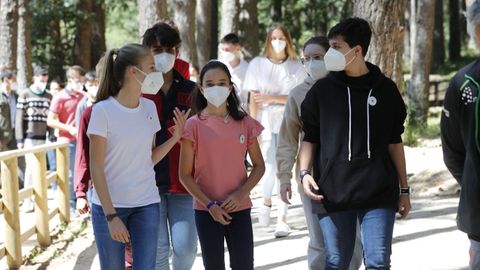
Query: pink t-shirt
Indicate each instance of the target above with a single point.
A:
(219, 150)
(65, 105)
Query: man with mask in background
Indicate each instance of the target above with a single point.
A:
(31, 121)
(62, 116)
(177, 222)
(230, 55)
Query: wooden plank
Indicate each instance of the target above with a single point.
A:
(31, 150)
(13, 245)
(2, 251)
(24, 237)
(25, 193)
(51, 177)
(41, 199)
(53, 213)
(63, 190)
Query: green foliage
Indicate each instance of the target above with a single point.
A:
(304, 19)
(413, 136)
(53, 28)
(121, 23)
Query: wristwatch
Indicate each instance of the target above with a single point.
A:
(110, 217)
(303, 173)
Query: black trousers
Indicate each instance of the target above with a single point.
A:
(239, 237)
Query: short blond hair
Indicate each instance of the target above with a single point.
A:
(73, 72)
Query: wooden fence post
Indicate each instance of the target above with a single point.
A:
(40, 187)
(11, 213)
(63, 184)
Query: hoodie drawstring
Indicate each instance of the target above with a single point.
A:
(350, 124)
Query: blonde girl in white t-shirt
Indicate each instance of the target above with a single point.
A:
(269, 79)
(125, 201)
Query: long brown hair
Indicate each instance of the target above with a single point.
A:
(199, 102)
(268, 50)
(115, 65)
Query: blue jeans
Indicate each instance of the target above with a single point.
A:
(177, 227)
(474, 254)
(239, 237)
(52, 165)
(142, 225)
(376, 227)
(71, 159)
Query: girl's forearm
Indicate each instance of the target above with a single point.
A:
(194, 189)
(159, 152)
(101, 187)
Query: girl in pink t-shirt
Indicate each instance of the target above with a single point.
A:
(214, 144)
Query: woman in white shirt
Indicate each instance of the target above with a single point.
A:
(125, 202)
(269, 79)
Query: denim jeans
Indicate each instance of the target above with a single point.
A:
(142, 225)
(474, 254)
(71, 159)
(239, 237)
(177, 229)
(376, 227)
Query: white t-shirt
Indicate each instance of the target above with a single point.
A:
(272, 79)
(128, 155)
(238, 76)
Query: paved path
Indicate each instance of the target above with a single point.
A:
(427, 240)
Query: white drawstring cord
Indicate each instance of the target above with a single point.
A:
(368, 123)
(349, 126)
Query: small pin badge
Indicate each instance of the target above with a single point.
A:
(150, 118)
(242, 139)
(372, 101)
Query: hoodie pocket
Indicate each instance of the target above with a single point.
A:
(356, 182)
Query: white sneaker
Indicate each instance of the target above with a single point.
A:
(281, 230)
(264, 215)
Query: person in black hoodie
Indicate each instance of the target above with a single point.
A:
(461, 139)
(353, 121)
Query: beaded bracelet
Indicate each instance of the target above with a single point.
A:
(210, 204)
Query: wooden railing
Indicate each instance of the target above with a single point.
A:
(11, 196)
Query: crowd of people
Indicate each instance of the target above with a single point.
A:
(164, 155)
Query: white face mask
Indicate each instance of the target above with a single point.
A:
(216, 95)
(41, 86)
(227, 56)
(279, 45)
(164, 62)
(335, 60)
(92, 90)
(316, 69)
(152, 82)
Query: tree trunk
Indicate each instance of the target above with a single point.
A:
(277, 10)
(249, 28)
(454, 44)
(8, 34)
(185, 20)
(24, 46)
(98, 32)
(230, 17)
(413, 26)
(214, 29)
(421, 58)
(387, 20)
(438, 38)
(83, 37)
(204, 28)
(150, 12)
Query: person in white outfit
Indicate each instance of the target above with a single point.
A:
(231, 55)
(269, 79)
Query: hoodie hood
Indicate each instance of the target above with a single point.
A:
(368, 81)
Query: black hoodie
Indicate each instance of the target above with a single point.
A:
(460, 129)
(352, 120)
